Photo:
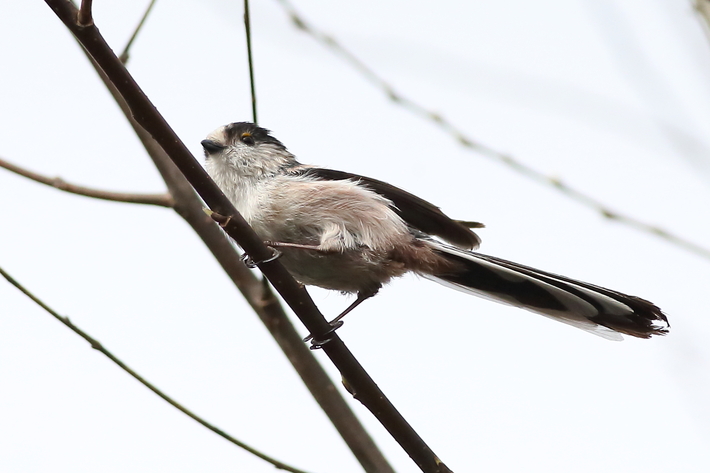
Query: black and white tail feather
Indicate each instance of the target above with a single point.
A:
(595, 309)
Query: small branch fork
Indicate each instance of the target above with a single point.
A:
(161, 200)
(84, 17)
(96, 345)
(145, 114)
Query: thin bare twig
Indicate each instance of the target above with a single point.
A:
(703, 7)
(150, 119)
(125, 55)
(96, 345)
(84, 17)
(162, 200)
(247, 29)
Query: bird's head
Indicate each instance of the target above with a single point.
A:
(247, 149)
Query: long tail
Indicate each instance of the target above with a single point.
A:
(592, 308)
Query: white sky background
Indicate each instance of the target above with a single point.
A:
(611, 96)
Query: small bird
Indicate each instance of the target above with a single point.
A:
(353, 234)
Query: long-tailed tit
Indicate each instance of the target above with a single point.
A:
(353, 234)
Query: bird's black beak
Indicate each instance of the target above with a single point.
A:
(211, 146)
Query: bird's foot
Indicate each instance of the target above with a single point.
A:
(250, 263)
(337, 322)
(317, 343)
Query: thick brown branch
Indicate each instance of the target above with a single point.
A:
(96, 345)
(148, 117)
(162, 200)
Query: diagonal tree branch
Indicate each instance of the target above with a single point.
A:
(296, 296)
(96, 345)
(161, 200)
(703, 8)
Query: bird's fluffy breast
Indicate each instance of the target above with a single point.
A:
(339, 212)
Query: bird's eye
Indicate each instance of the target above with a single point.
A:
(247, 139)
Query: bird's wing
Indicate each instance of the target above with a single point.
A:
(417, 212)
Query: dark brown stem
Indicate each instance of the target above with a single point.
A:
(162, 200)
(84, 17)
(96, 345)
(148, 117)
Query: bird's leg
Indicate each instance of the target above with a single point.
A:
(280, 244)
(362, 296)
(337, 322)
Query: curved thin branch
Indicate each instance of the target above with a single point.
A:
(161, 200)
(703, 7)
(96, 345)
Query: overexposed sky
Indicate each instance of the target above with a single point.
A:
(613, 97)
